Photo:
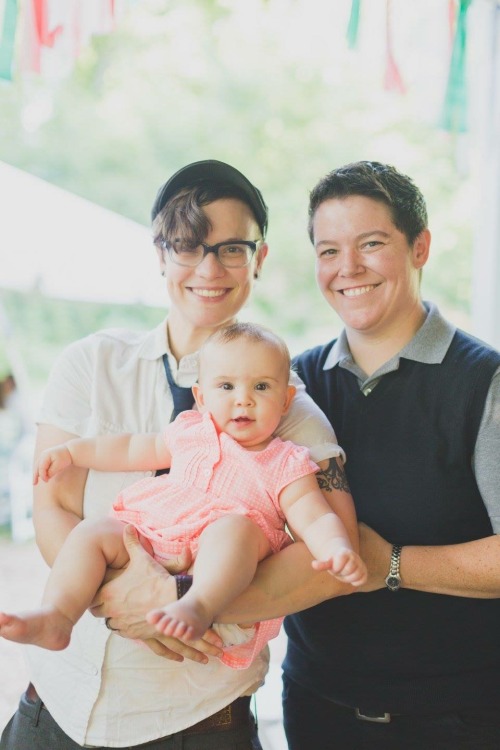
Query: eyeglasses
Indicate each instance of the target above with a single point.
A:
(230, 254)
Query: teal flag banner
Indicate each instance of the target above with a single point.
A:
(7, 39)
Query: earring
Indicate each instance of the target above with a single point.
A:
(256, 275)
(163, 273)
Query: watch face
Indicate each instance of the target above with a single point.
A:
(393, 582)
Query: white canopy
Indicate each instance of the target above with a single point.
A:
(68, 247)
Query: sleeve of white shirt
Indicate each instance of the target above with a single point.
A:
(305, 424)
(67, 397)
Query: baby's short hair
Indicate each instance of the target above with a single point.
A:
(251, 332)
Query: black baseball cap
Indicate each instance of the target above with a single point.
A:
(213, 171)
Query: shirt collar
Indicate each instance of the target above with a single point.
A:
(155, 345)
(429, 345)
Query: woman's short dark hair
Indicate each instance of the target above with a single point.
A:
(380, 182)
(183, 215)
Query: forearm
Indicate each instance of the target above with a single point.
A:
(284, 583)
(471, 569)
(57, 505)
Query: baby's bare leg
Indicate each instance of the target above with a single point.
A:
(73, 581)
(228, 554)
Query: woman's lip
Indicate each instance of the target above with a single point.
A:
(357, 291)
(208, 293)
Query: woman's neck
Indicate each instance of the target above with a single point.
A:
(185, 339)
(370, 350)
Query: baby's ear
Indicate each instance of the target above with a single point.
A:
(290, 394)
(198, 396)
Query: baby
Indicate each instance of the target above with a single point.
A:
(231, 489)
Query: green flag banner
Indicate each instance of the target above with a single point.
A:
(8, 35)
(353, 26)
(454, 116)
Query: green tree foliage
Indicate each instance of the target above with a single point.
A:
(241, 82)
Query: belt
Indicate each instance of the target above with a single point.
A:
(380, 717)
(234, 716)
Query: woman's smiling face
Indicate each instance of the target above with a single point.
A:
(365, 267)
(210, 295)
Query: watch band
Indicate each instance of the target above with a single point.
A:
(183, 584)
(393, 580)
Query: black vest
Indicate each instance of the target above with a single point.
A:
(409, 446)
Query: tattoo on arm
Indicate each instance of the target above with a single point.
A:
(333, 477)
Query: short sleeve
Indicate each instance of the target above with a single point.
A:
(66, 402)
(184, 421)
(296, 464)
(305, 424)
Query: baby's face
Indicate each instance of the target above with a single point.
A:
(244, 386)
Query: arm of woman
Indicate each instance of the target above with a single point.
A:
(469, 569)
(58, 504)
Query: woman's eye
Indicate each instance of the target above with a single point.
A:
(372, 245)
(330, 252)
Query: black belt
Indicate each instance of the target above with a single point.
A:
(234, 716)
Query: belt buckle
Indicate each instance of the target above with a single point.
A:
(383, 718)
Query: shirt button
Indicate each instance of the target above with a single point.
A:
(367, 391)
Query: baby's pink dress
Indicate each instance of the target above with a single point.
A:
(212, 475)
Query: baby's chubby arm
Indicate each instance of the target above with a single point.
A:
(310, 518)
(126, 452)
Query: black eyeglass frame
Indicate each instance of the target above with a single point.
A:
(252, 244)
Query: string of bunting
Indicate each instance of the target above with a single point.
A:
(454, 114)
(31, 29)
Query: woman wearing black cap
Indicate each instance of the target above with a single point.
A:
(209, 225)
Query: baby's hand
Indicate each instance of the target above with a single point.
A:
(51, 462)
(346, 565)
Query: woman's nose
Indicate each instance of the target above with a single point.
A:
(349, 262)
(210, 267)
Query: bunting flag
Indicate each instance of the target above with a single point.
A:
(353, 25)
(454, 116)
(37, 34)
(392, 77)
(8, 25)
(451, 18)
(45, 28)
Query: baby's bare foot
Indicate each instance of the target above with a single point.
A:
(47, 628)
(183, 619)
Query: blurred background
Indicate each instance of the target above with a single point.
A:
(101, 101)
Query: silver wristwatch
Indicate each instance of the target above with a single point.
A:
(393, 580)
